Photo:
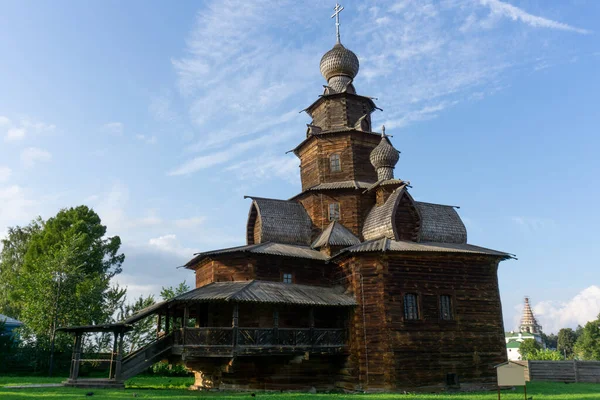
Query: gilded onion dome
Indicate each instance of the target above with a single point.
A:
(384, 158)
(339, 66)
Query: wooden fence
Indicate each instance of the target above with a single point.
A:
(562, 371)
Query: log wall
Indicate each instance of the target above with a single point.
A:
(243, 267)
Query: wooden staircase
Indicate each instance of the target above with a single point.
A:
(145, 357)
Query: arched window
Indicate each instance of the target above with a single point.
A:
(334, 211)
(411, 306)
(334, 163)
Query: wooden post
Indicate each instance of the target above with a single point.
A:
(311, 321)
(184, 322)
(525, 390)
(198, 313)
(576, 370)
(498, 392)
(234, 324)
(167, 321)
(76, 356)
(112, 356)
(119, 357)
(275, 327)
(158, 324)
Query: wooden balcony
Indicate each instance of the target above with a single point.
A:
(240, 341)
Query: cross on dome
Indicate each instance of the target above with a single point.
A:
(338, 9)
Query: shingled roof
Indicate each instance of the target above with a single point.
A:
(335, 234)
(387, 245)
(281, 221)
(380, 221)
(440, 223)
(276, 249)
(269, 292)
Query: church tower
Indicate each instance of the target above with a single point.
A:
(341, 157)
(528, 322)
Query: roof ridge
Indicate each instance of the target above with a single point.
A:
(242, 289)
(268, 198)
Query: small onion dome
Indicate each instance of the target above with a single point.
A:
(339, 61)
(384, 155)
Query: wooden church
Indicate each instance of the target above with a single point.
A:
(349, 284)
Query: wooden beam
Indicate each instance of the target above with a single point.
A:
(112, 355)
(119, 357)
(76, 356)
(235, 323)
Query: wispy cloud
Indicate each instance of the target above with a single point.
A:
(5, 174)
(502, 9)
(420, 58)
(266, 167)
(146, 139)
(34, 155)
(534, 224)
(18, 130)
(114, 128)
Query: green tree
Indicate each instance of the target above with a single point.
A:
(14, 248)
(63, 276)
(550, 340)
(545, 355)
(566, 341)
(143, 331)
(167, 293)
(528, 347)
(587, 346)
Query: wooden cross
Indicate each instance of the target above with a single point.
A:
(336, 14)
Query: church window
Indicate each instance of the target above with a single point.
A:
(334, 163)
(334, 211)
(287, 278)
(446, 307)
(411, 307)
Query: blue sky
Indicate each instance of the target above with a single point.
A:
(163, 115)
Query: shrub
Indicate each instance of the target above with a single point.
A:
(166, 369)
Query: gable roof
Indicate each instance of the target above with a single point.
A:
(10, 321)
(440, 223)
(387, 245)
(282, 221)
(335, 234)
(276, 249)
(269, 292)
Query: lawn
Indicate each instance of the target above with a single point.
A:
(175, 388)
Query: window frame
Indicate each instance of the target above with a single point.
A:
(337, 163)
(284, 275)
(450, 307)
(417, 307)
(339, 211)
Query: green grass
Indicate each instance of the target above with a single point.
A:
(176, 388)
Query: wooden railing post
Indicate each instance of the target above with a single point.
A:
(275, 327)
(158, 324)
(186, 315)
(234, 324)
(112, 356)
(119, 357)
(311, 319)
(76, 356)
(167, 321)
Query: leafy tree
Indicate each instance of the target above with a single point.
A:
(587, 346)
(550, 340)
(566, 341)
(62, 277)
(545, 354)
(528, 347)
(14, 248)
(143, 331)
(167, 293)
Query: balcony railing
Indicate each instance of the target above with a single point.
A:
(260, 337)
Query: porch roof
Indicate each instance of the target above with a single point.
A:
(269, 292)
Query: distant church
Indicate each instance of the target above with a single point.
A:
(351, 283)
(529, 329)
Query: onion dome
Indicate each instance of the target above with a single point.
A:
(384, 158)
(339, 61)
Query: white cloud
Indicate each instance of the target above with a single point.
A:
(187, 223)
(14, 134)
(114, 128)
(502, 9)
(33, 155)
(17, 206)
(170, 244)
(4, 121)
(146, 139)
(268, 167)
(5, 174)
(584, 307)
(534, 224)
